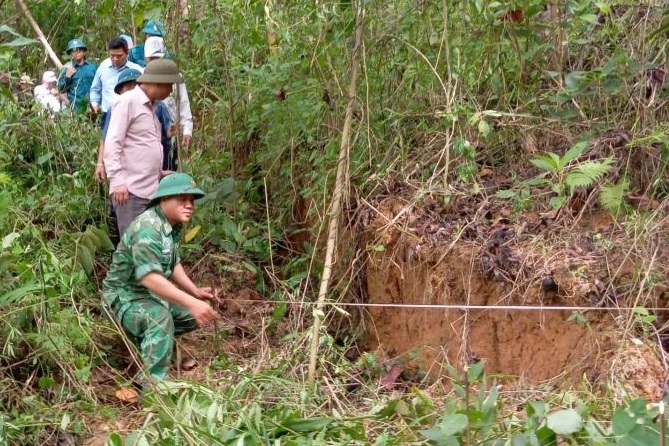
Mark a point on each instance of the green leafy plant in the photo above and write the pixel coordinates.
(565, 175)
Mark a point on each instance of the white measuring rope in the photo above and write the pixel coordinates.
(455, 306)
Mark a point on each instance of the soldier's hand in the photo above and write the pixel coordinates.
(205, 293)
(70, 71)
(202, 312)
(121, 195)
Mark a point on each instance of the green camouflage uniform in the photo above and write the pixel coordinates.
(150, 244)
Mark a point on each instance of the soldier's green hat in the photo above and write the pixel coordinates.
(176, 184)
(74, 44)
(126, 76)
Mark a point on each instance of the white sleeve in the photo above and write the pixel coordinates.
(186, 117)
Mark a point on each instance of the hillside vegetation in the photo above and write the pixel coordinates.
(499, 153)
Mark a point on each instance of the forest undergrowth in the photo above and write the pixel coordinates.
(497, 131)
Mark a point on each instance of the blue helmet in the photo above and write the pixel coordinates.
(74, 44)
(126, 76)
(154, 28)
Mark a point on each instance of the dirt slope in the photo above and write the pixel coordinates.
(480, 255)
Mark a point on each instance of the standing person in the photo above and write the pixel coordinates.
(128, 40)
(133, 155)
(153, 28)
(126, 82)
(147, 288)
(46, 94)
(76, 77)
(104, 82)
(154, 49)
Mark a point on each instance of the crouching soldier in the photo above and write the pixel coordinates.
(147, 288)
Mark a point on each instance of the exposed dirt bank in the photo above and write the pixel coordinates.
(473, 253)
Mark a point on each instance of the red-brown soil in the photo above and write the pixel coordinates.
(481, 257)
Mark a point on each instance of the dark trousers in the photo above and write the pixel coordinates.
(126, 213)
(101, 120)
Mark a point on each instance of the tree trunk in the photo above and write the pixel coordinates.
(184, 28)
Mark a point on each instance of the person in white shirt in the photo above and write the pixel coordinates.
(46, 94)
(154, 49)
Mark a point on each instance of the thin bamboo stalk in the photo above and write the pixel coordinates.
(340, 185)
(40, 34)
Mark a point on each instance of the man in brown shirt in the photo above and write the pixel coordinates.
(133, 154)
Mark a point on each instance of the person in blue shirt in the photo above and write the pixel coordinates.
(152, 28)
(102, 95)
(76, 77)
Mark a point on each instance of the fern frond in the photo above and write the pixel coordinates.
(611, 196)
(587, 173)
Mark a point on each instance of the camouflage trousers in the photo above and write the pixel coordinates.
(152, 327)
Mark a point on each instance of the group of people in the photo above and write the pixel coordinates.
(134, 93)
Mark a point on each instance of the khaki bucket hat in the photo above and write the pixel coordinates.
(161, 72)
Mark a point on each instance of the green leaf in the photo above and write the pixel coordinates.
(306, 424)
(536, 181)
(574, 152)
(623, 422)
(564, 422)
(474, 371)
(17, 294)
(536, 409)
(546, 163)
(573, 80)
(114, 440)
(10, 30)
(546, 436)
(590, 18)
(557, 202)
(20, 41)
(85, 258)
(453, 424)
(102, 240)
(89, 240)
(611, 197)
(505, 194)
(614, 63)
(587, 173)
(44, 158)
(612, 85)
(438, 437)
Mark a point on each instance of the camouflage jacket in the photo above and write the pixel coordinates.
(150, 244)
